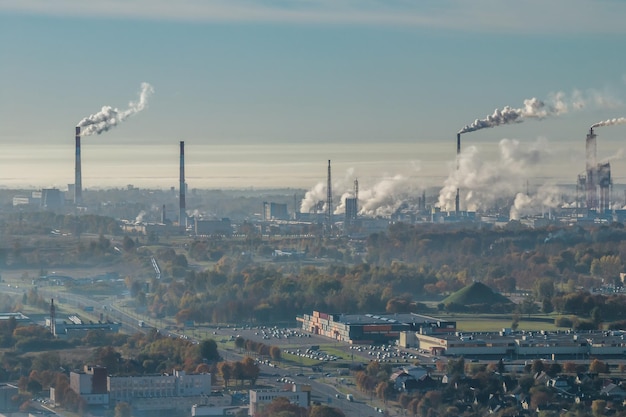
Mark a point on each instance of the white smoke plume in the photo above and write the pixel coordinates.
(533, 108)
(483, 182)
(313, 197)
(382, 198)
(547, 197)
(386, 196)
(109, 117)
(140, 217)
(610, 122)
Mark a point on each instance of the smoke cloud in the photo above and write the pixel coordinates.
(382, 198)
(557, 104)
(109, 117)
(484, 182)
(386, 196)
(313, 197)
(610, 122)
(547, 197)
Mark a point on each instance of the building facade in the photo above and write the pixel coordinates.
(91, 384)
(155, 392)
(371, 328)
(299, 395)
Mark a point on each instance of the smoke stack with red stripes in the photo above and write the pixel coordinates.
(182, 218)
(78, 180)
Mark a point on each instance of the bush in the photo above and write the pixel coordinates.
(564, 322)
(585, 325)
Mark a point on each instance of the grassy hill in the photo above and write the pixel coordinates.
(476, 293)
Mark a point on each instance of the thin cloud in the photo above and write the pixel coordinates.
(489, 16)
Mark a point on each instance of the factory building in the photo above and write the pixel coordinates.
(299, 395)
(77, 328)
(371, 328)
(91, 384)
(213, 227)
(505, 344)
(352, 205)
(52, 199)
(275, 211)
(176, 391)
(146, 393)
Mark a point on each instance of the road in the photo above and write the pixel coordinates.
(326, 390)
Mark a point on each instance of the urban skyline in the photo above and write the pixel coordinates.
(263, 93)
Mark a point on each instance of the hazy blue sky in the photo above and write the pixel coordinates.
(337, 73)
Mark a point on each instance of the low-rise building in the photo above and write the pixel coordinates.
(371, 328)
(91, 384)
(299, 395)
(7, 393)
(558, 344)
(176, 391)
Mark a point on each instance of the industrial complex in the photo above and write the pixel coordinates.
(590, 199)
(440, 337)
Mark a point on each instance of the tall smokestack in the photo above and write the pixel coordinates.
(53, 318)
(78, 180)
(182, 218)
(458, 153)
(329, 203)
(591, 186)
(356, 195)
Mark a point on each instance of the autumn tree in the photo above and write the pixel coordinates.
(598, 407)
(226, 371)
(325, 411)
(250, 369)
(275, 353)
(281, 406)
(384, 390)
(599, 367)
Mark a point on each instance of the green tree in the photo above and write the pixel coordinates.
(128, 244)
(456, 367)
(240, 342)
(544, 288)
(596, 316)
(108, 357)
(208, 350)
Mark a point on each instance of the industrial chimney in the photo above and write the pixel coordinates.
(329, 203)
(78, 180)
(182, 217)
(458, 153)
(53, 318)
(591, 168)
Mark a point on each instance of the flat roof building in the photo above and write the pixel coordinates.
(299, 395)
(371, 328)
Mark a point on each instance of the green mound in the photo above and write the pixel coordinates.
(476, 293)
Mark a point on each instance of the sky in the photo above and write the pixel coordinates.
(265, 92)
